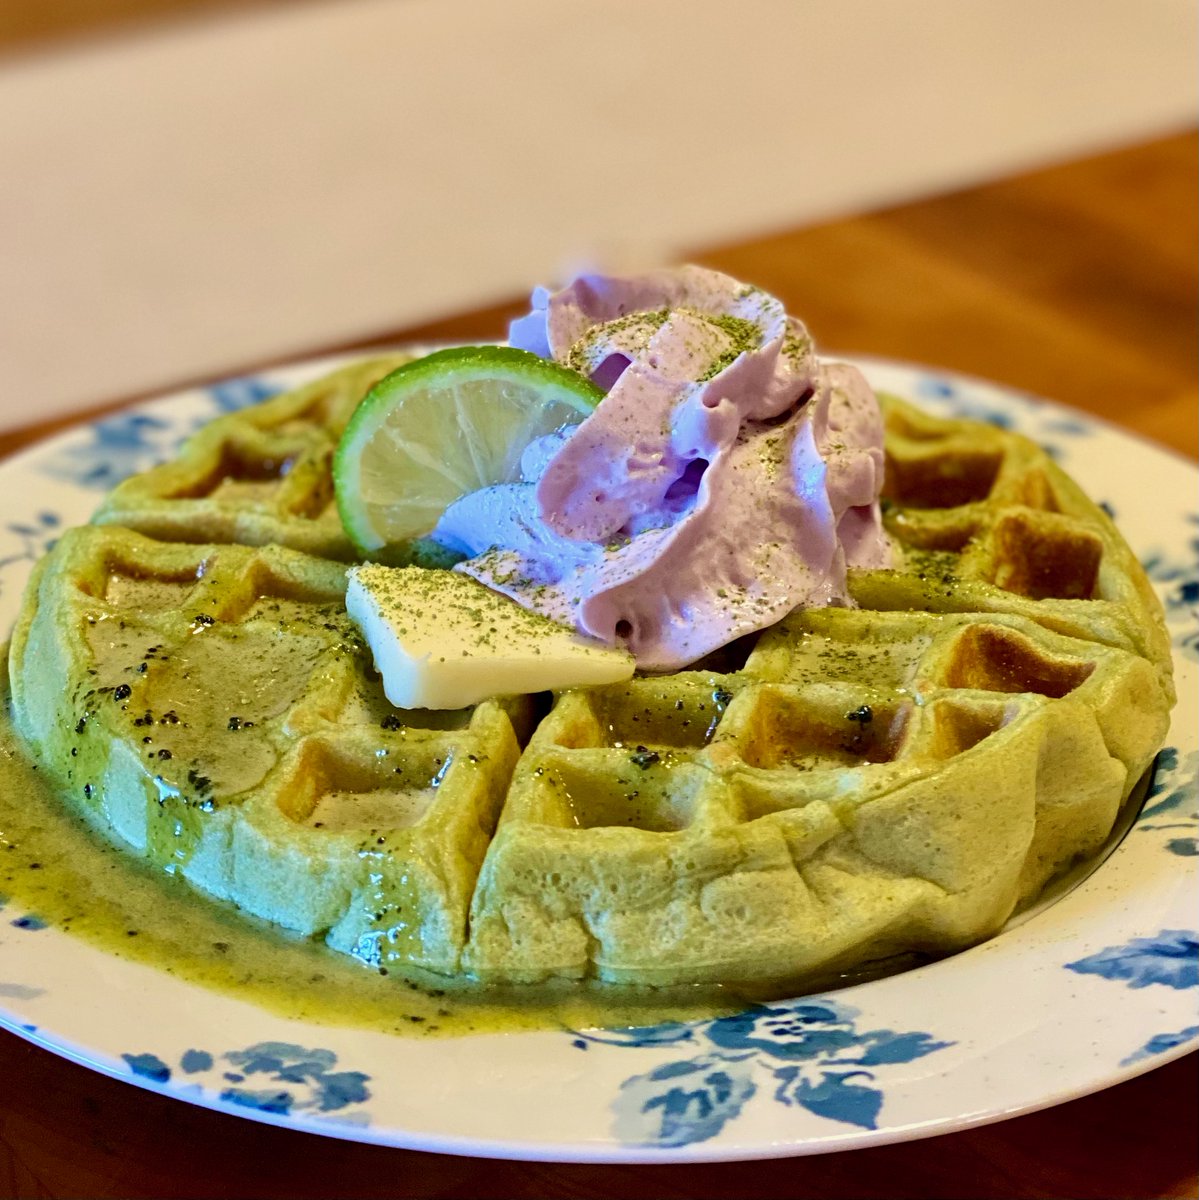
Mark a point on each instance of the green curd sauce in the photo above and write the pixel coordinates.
(55, 866)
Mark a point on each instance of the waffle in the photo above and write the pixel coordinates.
(214, 707)
(259, 477)
(856, 783)
(989, 523)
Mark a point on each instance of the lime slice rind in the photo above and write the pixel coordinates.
(440, 427)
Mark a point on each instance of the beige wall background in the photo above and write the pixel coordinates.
(182, 197)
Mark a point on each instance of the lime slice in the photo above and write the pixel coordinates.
(440, 427)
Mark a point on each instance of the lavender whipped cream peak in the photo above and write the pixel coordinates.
(728, 476)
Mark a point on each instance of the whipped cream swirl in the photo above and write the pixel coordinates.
(728, 476)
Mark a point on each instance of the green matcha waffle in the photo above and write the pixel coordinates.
(259, 476)
(856, 784)
(869, 784)
(214, 708)
(988, 522)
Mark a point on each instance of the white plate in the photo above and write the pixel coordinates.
(1087, 992)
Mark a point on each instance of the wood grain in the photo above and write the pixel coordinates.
(1077, 283)
(32, 24)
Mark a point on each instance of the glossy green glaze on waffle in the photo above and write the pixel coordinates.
(214, 707)
(859, 783)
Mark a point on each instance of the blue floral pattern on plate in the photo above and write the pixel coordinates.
(1172, 802)
(37, 535)
(1046, 424)
(232, 395)
(807, 1074)
(116, 447)
(121, 445)
(1177, 578)
(1170, 958)
(811, 1052)
(299, 1080)
(1161, 1043)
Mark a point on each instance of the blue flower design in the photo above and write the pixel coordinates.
(1172, 802)
(37, 535)
(798, 1032)
(1045, 423)
(811, 1050)
(232, 395)
(296, 1079)
(1180, 585)
(952, 398)
(836, 1097)
(119, 446)
(1171, 958)
(937, 387)
(124, 444)
(195, 1060)
(682, 1102)
(148, 1066)
(1070, 426)
(1160, 1043)
(228, 396)
(29, 921)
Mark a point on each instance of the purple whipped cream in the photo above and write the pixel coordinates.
(728, 476)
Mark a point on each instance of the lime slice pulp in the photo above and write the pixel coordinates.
(440, 427)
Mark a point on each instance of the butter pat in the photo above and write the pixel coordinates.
(442, 640)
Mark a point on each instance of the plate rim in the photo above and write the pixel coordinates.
(614, 1151)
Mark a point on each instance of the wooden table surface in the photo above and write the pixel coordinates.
(1078, 283)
